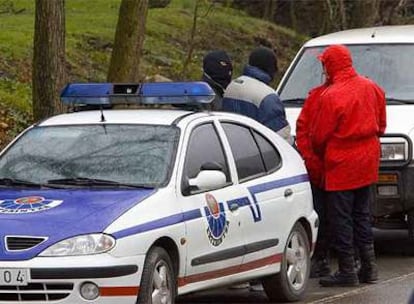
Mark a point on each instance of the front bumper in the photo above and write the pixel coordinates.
(394, 193)
(59, 279)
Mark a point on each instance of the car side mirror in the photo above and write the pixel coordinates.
(208, 180)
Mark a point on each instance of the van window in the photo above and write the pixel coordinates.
(389, 65)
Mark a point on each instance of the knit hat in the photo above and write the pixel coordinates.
(217, 65)
(264, 59)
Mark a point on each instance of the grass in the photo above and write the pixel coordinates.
(90, 28)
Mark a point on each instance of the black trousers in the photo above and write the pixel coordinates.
(350, 219)
(319, 203)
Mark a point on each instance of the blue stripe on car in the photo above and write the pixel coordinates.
(254, 190)
(196, 213)
(159, 223)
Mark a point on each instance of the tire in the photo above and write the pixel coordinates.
(158, 281)
(410, 224)
(295, 264)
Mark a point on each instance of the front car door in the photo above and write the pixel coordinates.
(214, 237)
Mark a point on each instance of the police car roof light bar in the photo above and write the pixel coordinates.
(190, 93)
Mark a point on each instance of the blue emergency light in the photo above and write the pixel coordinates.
(187, 93)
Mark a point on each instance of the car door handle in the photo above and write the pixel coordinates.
(288, 192)
(233, 207)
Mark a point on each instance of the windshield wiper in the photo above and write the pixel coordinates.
(391, 100)
(294, 101)
(85, 181)
(7, 181)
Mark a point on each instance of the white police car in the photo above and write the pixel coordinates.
(142, 205)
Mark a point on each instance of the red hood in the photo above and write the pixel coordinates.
(338, 63)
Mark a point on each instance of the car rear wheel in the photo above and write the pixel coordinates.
(158, 282)
(291, 282)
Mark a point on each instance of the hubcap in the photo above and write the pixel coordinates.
(297, 261)
(161, 293)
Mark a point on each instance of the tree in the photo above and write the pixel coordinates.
(191, 42)
(129, 40)
(48, 75)
(269, 9)
(363, 13)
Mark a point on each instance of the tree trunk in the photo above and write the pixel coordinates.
(269, 10)
(48, 74)
(342, 14)
(363, 13)
(129, 40)
(191, 41)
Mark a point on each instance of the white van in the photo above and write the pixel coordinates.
(386, 55)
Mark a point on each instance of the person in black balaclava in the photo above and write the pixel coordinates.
(217, 72)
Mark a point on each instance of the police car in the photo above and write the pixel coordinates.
(108, 205)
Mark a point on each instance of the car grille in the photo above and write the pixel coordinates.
(16, 243)
(35, 292)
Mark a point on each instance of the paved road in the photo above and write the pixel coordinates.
(396, 266)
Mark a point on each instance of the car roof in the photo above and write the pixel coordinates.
(371, 35)
(135, 116)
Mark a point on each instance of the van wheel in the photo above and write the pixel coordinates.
(158, 281)
(290, 283)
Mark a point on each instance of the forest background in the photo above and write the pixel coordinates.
(174, 36)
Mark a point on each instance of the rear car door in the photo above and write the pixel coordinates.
(269, 194)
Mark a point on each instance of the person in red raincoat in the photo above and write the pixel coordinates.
(345, 135)
(314, 165)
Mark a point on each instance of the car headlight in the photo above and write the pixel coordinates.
(81, 245)
(393, 151)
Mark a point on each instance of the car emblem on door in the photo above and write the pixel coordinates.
(218, 225)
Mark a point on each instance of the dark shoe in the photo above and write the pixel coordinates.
(340, 279)
(369, 270)
(345, 276)
(319, 268)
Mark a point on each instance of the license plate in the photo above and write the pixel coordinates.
(14, 276)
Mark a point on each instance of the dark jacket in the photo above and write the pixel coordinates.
(250, 95)
(216, 104)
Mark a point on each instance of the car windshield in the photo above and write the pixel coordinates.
(138, 155)
(390, 65)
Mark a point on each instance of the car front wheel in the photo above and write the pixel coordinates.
(158, 282)
(291, 282)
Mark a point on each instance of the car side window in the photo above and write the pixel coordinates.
(246, 153)
(204, 147)
(271, 156)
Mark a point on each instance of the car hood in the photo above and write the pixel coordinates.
(399, 119)
(59, 214)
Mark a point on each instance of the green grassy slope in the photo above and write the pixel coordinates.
(90, 29)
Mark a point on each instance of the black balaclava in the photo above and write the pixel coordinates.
(218, 67)
(264, 59)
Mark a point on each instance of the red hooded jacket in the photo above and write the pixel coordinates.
(349, 119)
(313, 162)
